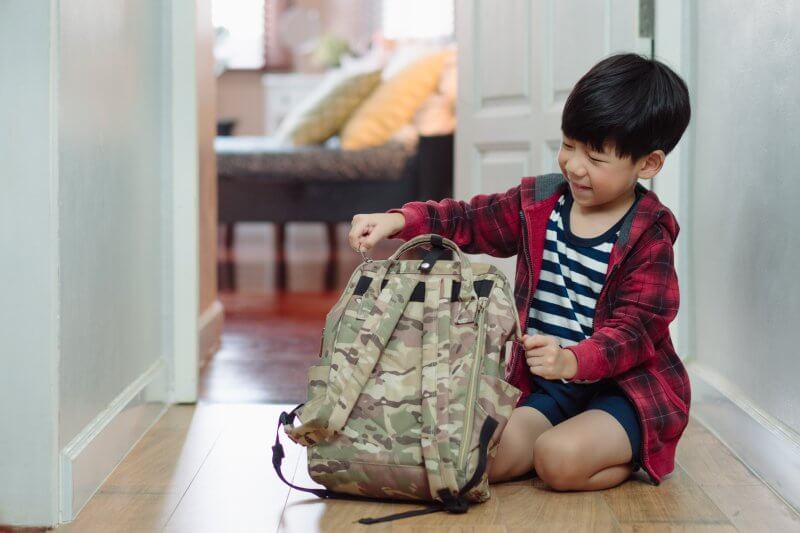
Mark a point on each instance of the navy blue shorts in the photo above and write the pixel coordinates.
(559, 401)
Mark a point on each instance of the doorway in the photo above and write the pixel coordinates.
(275, 282)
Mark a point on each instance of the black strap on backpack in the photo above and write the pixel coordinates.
(451, 503)
(278, 455)
(434, 254)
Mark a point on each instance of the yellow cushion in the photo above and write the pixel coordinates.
(393, 103)
(326, 109)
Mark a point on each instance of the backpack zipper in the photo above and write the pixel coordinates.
(473, 385)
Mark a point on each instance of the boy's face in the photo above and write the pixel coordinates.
(601, 178)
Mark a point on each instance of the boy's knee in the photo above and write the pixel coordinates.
(513, 455)
(556, 462)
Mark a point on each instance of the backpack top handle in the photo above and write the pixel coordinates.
(437, 241)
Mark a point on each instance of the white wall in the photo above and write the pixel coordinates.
(112, 98)
(111, 108)
(743, 196)
(745, 191)
(98, 211)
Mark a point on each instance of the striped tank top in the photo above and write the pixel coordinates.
(572, 276)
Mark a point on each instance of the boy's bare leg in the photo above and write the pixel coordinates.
(589, 451)
(515, 449)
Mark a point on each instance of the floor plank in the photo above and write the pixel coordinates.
(678, 499)
(649, 527)
(122, 513)
(754, 508)
(531, 506)
(161, 463)
(709, 464)
(238, 478)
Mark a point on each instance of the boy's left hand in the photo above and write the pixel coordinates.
(547, 358)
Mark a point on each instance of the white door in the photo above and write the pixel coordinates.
(517, 62)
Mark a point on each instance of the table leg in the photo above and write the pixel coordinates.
(226, 263)
(280, 255)
(333, 246)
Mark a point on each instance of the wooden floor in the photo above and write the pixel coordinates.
(208, 467)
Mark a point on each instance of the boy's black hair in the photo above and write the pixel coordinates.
(636, 103)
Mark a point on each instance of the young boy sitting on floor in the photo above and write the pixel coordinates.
(604, 392)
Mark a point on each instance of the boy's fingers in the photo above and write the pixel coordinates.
(365, 243)
(369, 241)
(535, 341)
(357, 233)
(534, 354)
(353, 235)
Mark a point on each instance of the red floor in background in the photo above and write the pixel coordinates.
(271, 338)
(268, 343)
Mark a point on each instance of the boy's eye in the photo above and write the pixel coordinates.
(567, 145)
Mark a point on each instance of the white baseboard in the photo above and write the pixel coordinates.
(95, 452)
(210, 334)
(769, 448)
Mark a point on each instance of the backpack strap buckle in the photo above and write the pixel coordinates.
(453, 503)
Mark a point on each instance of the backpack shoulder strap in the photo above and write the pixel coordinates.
(326, 415)
(436, 427)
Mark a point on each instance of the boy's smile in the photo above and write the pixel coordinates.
(601, 181)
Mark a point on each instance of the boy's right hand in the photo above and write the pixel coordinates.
(368, 229)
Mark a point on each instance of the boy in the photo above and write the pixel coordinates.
(603, 391)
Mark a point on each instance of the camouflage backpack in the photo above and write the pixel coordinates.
(409, 395)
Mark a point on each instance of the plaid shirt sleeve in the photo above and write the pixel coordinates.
(638, 319)
(488, 223)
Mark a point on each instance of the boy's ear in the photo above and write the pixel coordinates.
(651, 164)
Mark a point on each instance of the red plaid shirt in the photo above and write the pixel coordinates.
(630, 342)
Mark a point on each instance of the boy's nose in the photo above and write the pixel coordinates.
(575, 170)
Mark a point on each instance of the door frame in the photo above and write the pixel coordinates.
(181, 203)
(675, 42)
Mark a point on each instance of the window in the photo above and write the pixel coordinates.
(242, 43)
(248, 34)
(417, 19)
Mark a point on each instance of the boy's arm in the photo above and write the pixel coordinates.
(488, 223)
(647, 301)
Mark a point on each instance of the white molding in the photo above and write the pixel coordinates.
(769, 448)
(210, 335)
(98, 448)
